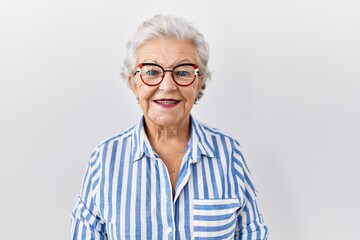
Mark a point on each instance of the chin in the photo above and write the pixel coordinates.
(166, 121)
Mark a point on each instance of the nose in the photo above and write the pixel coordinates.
(168, 83)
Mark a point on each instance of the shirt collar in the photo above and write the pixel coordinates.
(200, 140)
(140, 144)
(198, 145)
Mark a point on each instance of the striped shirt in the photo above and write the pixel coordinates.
(127, 193)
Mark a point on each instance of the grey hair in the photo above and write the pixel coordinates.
(167, 27)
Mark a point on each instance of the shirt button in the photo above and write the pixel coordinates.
(169, 229)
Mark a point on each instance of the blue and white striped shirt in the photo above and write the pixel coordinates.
(127, 193)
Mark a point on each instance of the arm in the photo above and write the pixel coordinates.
(85, 220)
(250, 224)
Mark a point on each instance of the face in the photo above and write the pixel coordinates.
(167, 104)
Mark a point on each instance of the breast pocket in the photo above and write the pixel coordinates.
(215, 218)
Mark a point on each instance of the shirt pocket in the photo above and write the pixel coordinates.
(215, 218)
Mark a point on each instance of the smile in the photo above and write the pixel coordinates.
(167, 102)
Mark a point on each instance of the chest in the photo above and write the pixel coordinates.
(137, 201)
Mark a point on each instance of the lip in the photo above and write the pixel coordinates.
(167, 102)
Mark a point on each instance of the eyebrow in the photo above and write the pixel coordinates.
(174, 65)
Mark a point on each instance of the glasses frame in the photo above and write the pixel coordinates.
(140, 65)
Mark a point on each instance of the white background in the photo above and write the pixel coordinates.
(286, 84)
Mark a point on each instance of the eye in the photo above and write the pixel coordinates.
(182, 73)
(151, 72)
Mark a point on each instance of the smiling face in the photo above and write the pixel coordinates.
(166, 105)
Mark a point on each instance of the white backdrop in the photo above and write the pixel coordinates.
(286, 84)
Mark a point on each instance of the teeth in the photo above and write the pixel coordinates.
(167, 102)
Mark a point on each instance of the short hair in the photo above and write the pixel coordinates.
(167, 27)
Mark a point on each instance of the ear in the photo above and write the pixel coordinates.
(201, 82)
(132, 84)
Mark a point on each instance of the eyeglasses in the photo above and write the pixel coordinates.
(152, 74)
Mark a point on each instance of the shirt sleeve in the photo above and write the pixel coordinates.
(250, 223)
(86, 222)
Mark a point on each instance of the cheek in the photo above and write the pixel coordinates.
(145, 92)
(191, 95)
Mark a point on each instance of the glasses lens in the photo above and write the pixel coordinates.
(184, 74)
(151, 74)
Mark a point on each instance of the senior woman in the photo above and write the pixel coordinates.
(169, 176)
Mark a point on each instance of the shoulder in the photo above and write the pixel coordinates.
(119, 137)
(215, 142)
(115, 140)
(216, 133)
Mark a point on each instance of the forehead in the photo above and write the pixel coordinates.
(167, 52)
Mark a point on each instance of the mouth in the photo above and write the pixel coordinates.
(167, 103)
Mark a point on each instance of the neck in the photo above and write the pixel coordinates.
(159, 133)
